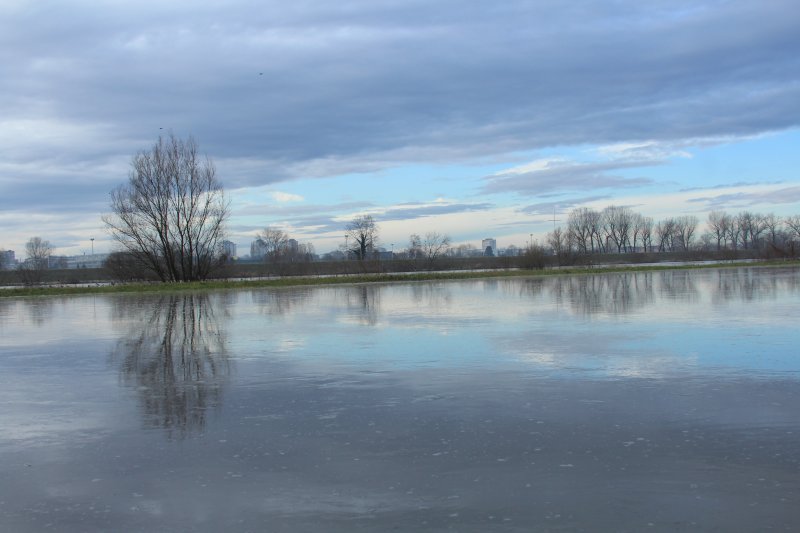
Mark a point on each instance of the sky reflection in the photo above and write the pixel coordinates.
(606, 401)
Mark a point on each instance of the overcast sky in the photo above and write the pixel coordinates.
(467, 118)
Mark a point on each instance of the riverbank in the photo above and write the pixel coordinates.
(300, 281)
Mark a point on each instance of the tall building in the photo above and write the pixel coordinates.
(7, 260)
(229, 248)
(258, 249)
(489, 246)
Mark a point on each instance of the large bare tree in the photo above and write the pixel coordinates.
(170, 215)
(432, 246)
(364, 233)
(274, 243)
(38, 251)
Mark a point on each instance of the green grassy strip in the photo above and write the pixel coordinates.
(362, 278)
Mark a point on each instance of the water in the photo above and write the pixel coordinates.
(627, 402)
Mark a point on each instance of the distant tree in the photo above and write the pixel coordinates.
(561, 243)
(665, 233)
(645, 230)
(684, 229)
(433, 246)
(718, 226)
(274, 242)
(772, 227)
(171, 213)
(585, 229)
(534, 257)
(414, 246)
(792, 224)
(363, 231)
(38, 252)
(617, 222)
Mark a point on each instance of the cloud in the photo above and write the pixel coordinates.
(561, 206)
(550, 175)
(351, 83)
(414, 211)
(743, 199)
(285, 197)
(320, 89)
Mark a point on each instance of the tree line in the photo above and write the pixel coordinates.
(617, 229)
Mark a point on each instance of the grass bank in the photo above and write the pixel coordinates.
(361, 278)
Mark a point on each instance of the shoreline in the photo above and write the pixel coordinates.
(355, 279)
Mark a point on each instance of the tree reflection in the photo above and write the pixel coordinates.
(175, 357)
(606, 293)
(366, 300)
(431, 295)
(679, 285)
(281, 302)
(748, 284)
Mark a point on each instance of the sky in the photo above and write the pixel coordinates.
(470, 119)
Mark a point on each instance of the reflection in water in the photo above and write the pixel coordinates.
(679, 285)
(281, 302)
(366, 301)
(747, 285)
(41, 309)
(619, 294)
(175, 356)
(431, 295)
(605, 293)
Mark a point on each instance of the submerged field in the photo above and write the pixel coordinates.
(624, 401)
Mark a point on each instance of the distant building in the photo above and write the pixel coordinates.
(86, 261)
(489, 247)
(8, 260)
(57, 261)
(258, 249)
(229, 249)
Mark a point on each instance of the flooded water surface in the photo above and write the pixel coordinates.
(652, 401)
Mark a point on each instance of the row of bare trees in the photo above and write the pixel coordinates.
(618, 229)
(749, 230)
(276, 246)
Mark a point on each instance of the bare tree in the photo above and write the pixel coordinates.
(433, 246)
(733, 231)
(170, 215)
(684, 229)
(274, 243)
(665, 233)
(772, 227)
(617, 222)
(644, 226)
(751, 226)
(793, 226)
(718, 222)
(584, 227)
(38, 252)
(363, 231)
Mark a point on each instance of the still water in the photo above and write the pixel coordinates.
(613, 402)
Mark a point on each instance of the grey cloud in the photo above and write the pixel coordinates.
(728, 185)
(561, 206)
(369, 77)
(410, 211)
(559, 176)
(787, 195)
(319, 89)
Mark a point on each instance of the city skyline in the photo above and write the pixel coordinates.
(469, 120)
